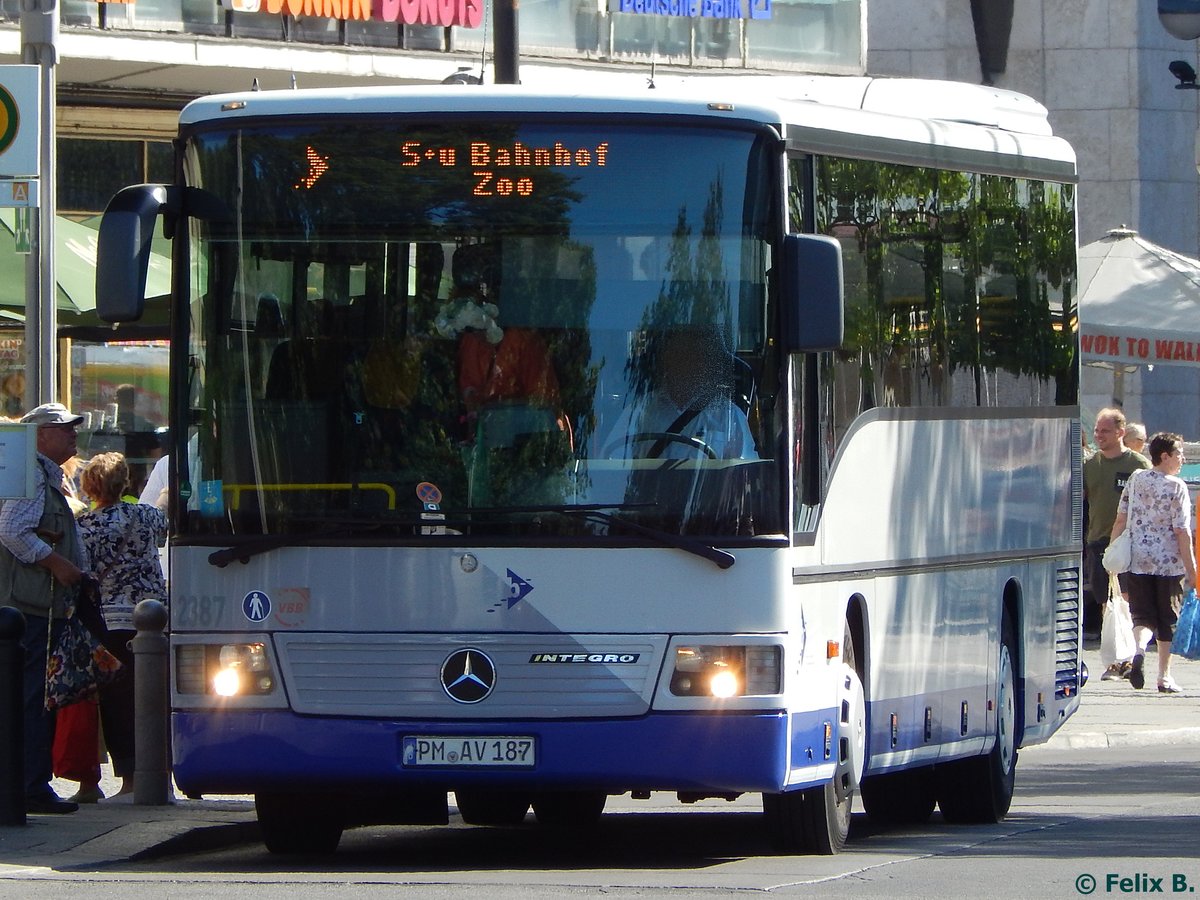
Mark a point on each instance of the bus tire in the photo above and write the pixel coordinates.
(900, 798)
(980, 790)
(817, 820)
(571, 810)
(809, 821)
(481, 807)
(295, 824)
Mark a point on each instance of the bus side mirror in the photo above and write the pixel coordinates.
(123, 250)
(812, 294)
(126, 231)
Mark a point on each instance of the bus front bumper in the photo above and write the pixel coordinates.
(240, 752)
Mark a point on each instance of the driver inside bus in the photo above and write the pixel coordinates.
(689, 411)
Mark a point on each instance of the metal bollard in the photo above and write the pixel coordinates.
(151, 685)
(12, 717)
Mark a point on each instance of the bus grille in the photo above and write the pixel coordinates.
(1066, 632)
(536, 676)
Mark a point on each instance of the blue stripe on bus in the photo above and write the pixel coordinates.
(245, 751)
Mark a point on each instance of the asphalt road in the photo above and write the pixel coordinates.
(1082, 820)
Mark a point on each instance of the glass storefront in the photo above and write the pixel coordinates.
(795, 35)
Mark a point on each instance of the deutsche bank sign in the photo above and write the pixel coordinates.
(704, 9)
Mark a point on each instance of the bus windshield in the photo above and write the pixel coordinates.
(423, 327)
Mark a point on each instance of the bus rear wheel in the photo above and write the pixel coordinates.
(295, 824)
(980, 790)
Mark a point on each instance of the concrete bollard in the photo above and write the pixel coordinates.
(12, 717)
(151, 707)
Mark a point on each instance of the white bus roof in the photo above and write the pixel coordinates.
(912, 121)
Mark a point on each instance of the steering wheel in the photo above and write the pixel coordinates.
(669, 437)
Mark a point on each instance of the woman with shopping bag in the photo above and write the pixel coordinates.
(1154, 507)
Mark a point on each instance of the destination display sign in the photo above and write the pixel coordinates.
(496, 169)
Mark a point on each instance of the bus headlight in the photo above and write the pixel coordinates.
(726, 671)
(227, 682)
(226, 670)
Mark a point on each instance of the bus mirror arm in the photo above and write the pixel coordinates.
(201, 204)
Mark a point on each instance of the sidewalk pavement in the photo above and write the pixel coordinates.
(1111, 714)
(115, 830)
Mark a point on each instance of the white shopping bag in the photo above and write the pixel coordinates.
(1116, 634)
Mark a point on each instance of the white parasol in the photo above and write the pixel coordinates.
(1139, 303)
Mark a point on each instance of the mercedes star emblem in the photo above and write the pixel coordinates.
(468, 675)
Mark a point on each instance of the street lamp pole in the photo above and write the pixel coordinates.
(39, 46)
(506, 54)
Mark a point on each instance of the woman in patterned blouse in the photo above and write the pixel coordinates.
(122, 540)
(1155, 506)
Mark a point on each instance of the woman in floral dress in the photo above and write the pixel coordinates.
(122, 540)
(1155, 507)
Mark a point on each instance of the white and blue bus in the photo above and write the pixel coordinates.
(427, 537)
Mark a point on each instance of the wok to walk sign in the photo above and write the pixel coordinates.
(1134, 350)
(1139, 303)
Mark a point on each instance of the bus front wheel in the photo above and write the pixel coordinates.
(817, 819)
(807, 821)
(295, 824)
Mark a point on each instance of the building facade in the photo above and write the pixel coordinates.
(1101, 68)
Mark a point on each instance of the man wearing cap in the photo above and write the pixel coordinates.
(42, 560)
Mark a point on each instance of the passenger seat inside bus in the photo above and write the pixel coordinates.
(308, 365)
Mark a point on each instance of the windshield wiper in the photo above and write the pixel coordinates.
(244, 552)
(721, 558)
(596, 512)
